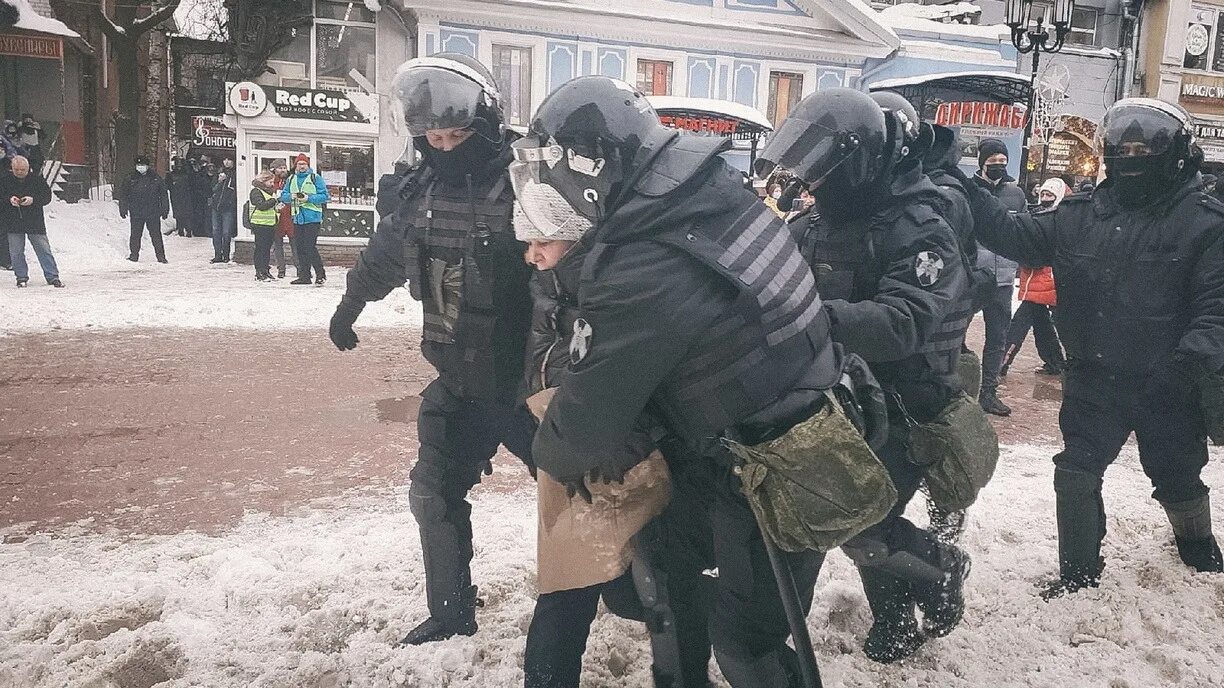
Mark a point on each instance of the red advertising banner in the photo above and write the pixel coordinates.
(981, 114)
(31, 46)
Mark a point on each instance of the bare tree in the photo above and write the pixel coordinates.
(125, 31)
(259, 28)
(205, 20)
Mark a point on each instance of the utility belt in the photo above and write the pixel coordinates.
(958, 448)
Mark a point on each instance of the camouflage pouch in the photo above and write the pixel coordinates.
(969, 371)
(816, 486)
(959, 450)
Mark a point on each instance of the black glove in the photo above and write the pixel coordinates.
(341, 328)
(577, 487)
(867, 406)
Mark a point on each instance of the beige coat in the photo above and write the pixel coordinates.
(578, 544)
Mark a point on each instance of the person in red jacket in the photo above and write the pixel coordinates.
(1037, 299)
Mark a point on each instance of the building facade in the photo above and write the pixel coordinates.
(322, 95)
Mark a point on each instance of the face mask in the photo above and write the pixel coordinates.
(470, 157)
(996, 171)
(142, 168)
(1047, 204)
(1135, 190)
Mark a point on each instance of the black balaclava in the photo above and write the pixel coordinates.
(1153, 175)
(470, 157)
(839, 201)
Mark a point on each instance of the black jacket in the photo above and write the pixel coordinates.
(179, 183)
(27, 220)
(224, 192)
(1013, 199)
(671, 334)
(1137, 289)
(893, 284)
(144, 196)
(554, 298)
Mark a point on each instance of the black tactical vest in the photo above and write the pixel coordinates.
(467, 269)
(776, 338)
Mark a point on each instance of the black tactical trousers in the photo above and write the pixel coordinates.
(748, 627)
(1038, 318)
(458, 436)
(1099, 413)
(138, 225)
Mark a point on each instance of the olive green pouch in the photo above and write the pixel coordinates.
(959, 450)
(816, 486)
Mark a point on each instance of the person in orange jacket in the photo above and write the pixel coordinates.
(1037, 299)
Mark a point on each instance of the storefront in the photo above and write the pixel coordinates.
(1203, 97)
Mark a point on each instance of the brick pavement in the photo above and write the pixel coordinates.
(158, 431)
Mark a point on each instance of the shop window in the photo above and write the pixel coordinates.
(785, 92)
(1200, 31)
(348, 171)
(290, 66)
(654, 77)
(342, 10)
(345, 56)
(512, 71)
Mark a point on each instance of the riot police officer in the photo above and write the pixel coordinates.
(1140, 270)
(696, 304)
(449, 235)
(894, 282)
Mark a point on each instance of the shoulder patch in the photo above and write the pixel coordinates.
(928, 266)
(580, 342)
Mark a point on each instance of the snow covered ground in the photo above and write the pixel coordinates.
(317, 598)
(105, 290)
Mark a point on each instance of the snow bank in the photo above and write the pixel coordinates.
(105, 290)
(319, 599)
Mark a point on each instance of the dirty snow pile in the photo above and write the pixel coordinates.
(105, 290)
(319, 598)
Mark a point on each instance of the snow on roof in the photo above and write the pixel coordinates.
(924, 78)
(923, 18)
(720, 107)
(31, 20)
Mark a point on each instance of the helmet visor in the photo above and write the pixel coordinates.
(544, 207)
(1134, 130)
(808, 150)
(431, 98)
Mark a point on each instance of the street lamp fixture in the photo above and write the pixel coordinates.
(1034, 37)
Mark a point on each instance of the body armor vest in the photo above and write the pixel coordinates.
(461, 253)
(776, 338)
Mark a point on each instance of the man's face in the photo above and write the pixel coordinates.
(545, 255)
(996, 159)
(1047, 197)
(447, 140)
(227, 164)
(280, 172)
(301, 166)
(20, 168)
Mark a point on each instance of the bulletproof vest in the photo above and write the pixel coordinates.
(776, 337)
(462, 233)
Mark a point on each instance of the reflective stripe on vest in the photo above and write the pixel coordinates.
(309, 188)
(264, 218)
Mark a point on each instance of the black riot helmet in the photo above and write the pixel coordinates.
(1145, 133)
(838, 133)
(447, 91)
(917, 136)
(581, 145)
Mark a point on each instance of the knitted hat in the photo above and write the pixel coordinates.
(142, 160)
(1057, 187)
(301, 157)
(989, 147)
(572, 225)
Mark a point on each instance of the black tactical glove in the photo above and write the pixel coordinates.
(341, 328)
(863, 400)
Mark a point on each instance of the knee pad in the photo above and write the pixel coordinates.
(426, 508)
(1072, 481)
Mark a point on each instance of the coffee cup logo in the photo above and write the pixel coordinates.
(247, 99)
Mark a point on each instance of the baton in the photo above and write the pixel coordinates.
(795, 617)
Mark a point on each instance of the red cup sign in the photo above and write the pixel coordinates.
(248, 99)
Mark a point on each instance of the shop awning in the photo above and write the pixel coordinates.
(987, 86)
(711, 116)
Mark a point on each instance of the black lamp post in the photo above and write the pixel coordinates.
(1036, 39)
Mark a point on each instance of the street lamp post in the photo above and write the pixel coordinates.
(1036, 39)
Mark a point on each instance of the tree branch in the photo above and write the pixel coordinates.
(112, 30)
(158, 16)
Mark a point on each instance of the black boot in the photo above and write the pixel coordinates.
(301, 280)
(989, 400)
(894, 635)
(1081, 528)
(1191, 521)
(943, 604)
(438, 628)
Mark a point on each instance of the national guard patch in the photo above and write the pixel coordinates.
(928, 266)
(580, 343)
